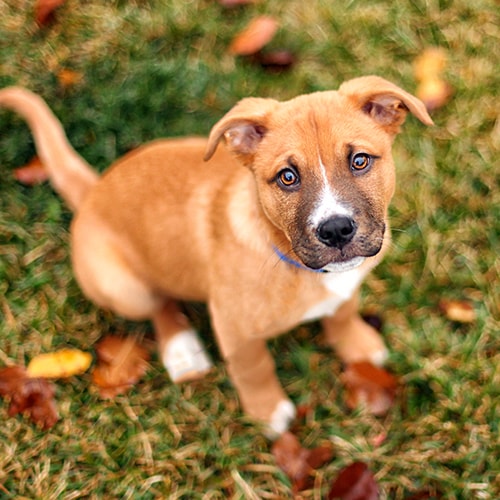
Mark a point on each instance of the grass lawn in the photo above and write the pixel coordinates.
(144, 69)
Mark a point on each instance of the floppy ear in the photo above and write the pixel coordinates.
(385, 102)
(243, 127)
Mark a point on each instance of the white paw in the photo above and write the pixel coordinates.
(378, 358)
(282, 416)
(185, 358)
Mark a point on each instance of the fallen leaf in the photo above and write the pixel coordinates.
(369, 386)
(67, 77)
(59, 364)
(354, 482)
(32, 173)
(432, 89)
(298, 463)
(430, 63)
(458, 310)
(258, 33)
(33, 396)
(44, 11)
(276, 61)
(434, 93)
(121, 364)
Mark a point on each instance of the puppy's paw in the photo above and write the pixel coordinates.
(185, 358)
(281, 418)
(362, 343)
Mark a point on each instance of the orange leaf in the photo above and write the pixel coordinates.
(370, 386)
(44, 10)
(354, 482)
(298, 463)
(33, 396)
(258, 33)
(122, 363)
(432, 90)
(68, 77)
(458, 310)
(32, 173)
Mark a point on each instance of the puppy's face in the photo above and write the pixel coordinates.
(323, 166)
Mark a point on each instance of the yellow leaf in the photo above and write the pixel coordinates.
(59, 364)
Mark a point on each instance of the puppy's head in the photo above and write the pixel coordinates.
(323, 165)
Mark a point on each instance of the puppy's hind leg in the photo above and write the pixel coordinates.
(181, 350)
(108, 279)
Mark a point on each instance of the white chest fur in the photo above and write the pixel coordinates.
(340, 288)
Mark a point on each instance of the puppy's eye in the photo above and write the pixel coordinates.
(288, 178)
(361, 162)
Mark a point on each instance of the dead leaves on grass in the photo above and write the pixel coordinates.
(122, 362)
(432, 89)
(32, 396)
(354, 482)
(45, 10)
(369, 386)
(32, 173)
(297, 462)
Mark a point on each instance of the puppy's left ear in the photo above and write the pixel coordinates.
(385, 102)
(243, 127)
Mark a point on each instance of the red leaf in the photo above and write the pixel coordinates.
(33, 396)
(370, 386)
(122, 363)
(258, 33)
(44, 11)
(32, 173)
(354, 482)
(298, 463)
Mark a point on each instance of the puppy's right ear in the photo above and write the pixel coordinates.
(243, 127)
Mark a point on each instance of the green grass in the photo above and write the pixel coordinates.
(152, 69)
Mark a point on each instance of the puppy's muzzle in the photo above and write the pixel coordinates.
(337, 231)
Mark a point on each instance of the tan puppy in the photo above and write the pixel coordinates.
(285, 240)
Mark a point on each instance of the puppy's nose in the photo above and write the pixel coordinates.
(337, 231)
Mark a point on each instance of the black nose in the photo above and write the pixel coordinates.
(337, 231)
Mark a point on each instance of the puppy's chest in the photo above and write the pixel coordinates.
(337, 289)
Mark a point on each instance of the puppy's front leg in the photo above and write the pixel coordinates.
(252, 371)
(351, 337)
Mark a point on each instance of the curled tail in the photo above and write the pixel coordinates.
(71, 176)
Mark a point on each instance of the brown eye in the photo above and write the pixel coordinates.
(360, 161)
(288, 178)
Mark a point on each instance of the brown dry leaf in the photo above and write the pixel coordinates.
(67, 77)
(276, 61)
(33, 396)
(298, 463)
(44, 11)
(59, 364)
(458, 310)
(32, 173)
(354, 482)
(258, 33)
(369, 386)
(121, 364)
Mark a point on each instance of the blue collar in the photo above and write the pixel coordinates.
(295, 263)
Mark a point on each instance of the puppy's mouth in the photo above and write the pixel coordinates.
(324, 259)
